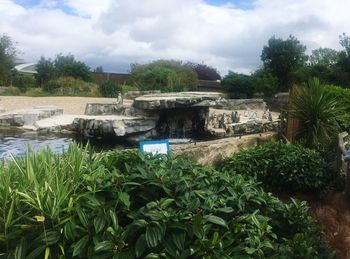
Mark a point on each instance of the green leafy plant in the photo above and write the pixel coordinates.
(109, 88)
(68, 85)
(281, 167)
(124, 204)
(318, 111)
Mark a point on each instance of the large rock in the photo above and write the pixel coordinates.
(210, 152)
(104, 109)
(113, 125)
(174, 100)
(28, 117)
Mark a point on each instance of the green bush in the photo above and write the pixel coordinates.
(128, 88)
(129, 205)
(318, 111)
(342, 95)
(67, 85)
(281, 167)
(264, 82)
(238, 85)
(109, 88)
(164, 75)
(24, 82)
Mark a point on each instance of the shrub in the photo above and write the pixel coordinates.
(164, 75)
(109, 88)
(318, 111)
(24, 82)
(264, 82)
(238, 85)
(69, 86)
(342, 95)
(281, 167)
(128, 88)
(129, 205)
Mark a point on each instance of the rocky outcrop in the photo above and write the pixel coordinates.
(174, 100)
(210, 152)
(104, 109)
(117, 125)
(28, 117)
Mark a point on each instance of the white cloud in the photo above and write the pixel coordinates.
(117, 33)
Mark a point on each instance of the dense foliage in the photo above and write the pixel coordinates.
(109, 88)
(67, 85)
(23, 82)
(238, 85)
(62, 66)
(164, 75)
(205, 72)
(129, 205)
(284, 58)
(8, 53)
(281, 167)
(319, 113)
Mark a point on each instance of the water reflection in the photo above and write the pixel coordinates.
(15, 142)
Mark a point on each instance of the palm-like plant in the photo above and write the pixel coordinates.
(319, 113)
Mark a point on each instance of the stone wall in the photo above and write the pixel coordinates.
(210, 152)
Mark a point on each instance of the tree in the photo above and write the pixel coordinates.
(322, 64)
(68, 66)
(264, 82)
(343, 65)
(205, 72)
(324, 57)
(61, 66)
(99, 69)
(164, 75)
(238, 85)
(45, 71)
(8, 53)
(283, 58)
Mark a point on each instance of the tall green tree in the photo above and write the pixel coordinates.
(343, 65)
(324, 57)
(46, 71)
(49, 69)
(8, 53)
(322, 64)
(283, 58)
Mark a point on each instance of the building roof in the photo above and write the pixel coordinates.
(27, 68)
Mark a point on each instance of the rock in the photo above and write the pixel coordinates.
(113, 125)
(173, 100)
(133, 94)
(210, 152)
(28, 117)
(104, 109)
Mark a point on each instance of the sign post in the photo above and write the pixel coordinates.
(155, 147)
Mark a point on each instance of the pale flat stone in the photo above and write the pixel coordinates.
(173, 100)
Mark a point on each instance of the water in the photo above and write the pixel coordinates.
(14, 143)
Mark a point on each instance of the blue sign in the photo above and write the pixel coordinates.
(155, 147)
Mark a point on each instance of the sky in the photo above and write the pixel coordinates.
(228, 35)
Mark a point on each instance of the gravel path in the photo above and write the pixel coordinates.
(70, 105)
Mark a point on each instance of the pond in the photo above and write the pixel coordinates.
(14, 142)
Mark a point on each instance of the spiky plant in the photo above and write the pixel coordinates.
(319, 113)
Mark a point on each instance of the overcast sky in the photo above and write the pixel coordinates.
(228, 35)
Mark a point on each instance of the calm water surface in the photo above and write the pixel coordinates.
(14, 143)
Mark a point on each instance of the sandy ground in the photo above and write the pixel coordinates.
(70, 105)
